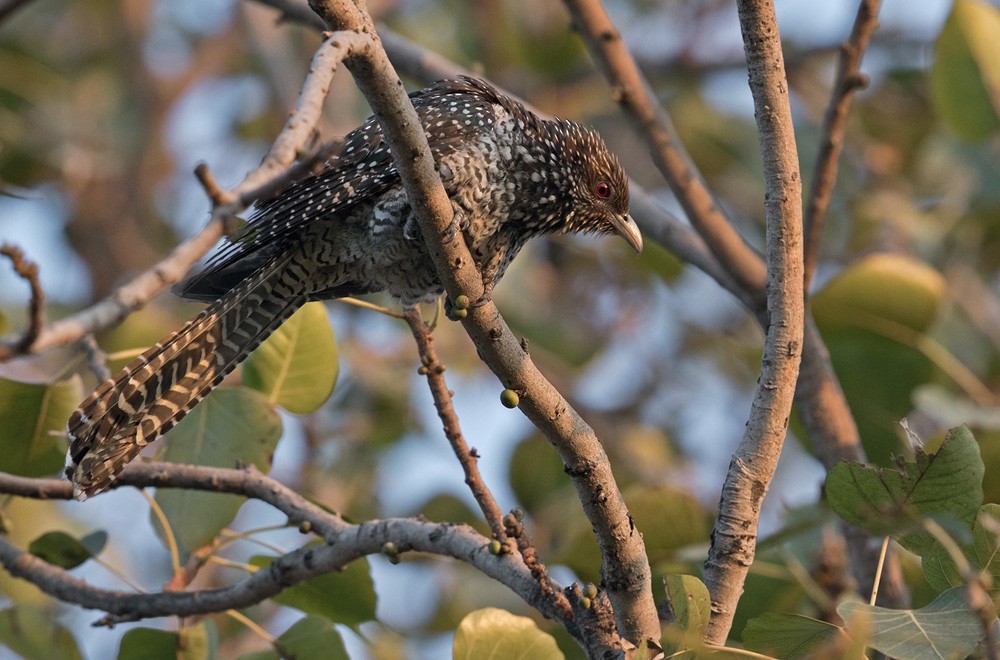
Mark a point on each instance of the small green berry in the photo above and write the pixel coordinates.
(590, 590)
(495, 547)
(461, 302)
(584, 603)
(458, 313)
(391, 552)
(509, 398)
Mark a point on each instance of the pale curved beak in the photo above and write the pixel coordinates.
(627, 229)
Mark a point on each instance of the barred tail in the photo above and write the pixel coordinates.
(156, 390)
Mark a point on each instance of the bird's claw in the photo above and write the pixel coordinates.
(483, 299)
(450, 232)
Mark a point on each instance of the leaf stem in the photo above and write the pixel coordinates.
(878, 571)
(175, 555)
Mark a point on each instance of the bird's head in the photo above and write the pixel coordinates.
(598, 185)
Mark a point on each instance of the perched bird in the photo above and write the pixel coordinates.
(349, 230)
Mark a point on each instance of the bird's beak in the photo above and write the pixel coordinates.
(627, 229)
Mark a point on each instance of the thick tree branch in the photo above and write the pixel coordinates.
(849, 80)
(755, 459)
(344, 543)
(625, 567)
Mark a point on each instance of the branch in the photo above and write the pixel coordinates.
(27, 271)
(731, 258)
(849, 80)
(269, 176)
(756, 457)
(625, 567)
(344, 543)
(634, 94)
(816, 374)
(433, 369)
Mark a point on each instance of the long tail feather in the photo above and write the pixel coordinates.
(154, 392)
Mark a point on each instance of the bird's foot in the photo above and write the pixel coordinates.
(451, 231)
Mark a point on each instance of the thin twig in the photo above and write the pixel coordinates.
(433, 370)
(514, 527)
(878, 570)
(849, 80)
(364, 304)
(97, 359)
(755, 459)
(27, 271)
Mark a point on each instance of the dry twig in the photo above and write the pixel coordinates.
(28, 271)
(345, 542)
(433, 370)
(849, 80)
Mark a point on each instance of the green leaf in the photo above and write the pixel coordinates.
(197, 642)
(669, 518)
(95, 542)
(965, 74)
(231, 427)
(881, 500)
(536, 472)
(983, 553)
(496, 633)
(297, 366)
(346, 596)
(32, 632)
(874, 316)
(986, 547)
(946, 628)
(790, 635)
(32, 435)
(689, 601)
(450, 508)
(311, 638)
(879, 291)
(61, 549)
(189, 643)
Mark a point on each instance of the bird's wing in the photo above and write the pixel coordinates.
(360, 170)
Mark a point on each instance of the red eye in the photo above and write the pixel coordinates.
(602, 190)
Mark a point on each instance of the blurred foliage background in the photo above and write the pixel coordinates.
(106, 106)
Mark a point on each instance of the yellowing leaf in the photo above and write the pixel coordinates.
(297, 366)
(230, 427)
(880, 293)
(496, 633)
(965, 75)
(32, 440)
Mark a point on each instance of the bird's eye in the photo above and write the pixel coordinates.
(602, 190)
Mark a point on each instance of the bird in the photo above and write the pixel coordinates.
(349, 229)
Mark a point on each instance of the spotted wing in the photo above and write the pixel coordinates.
(451, 111)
